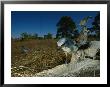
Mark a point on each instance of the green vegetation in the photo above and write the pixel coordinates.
(48, 36)
(65, 27)
(96, 25)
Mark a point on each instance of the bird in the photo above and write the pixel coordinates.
(72, 46)
(80, 44)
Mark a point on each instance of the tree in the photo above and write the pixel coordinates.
(35, 36)
(95, 29)
(40, 38)
(76, 34)
(48, 36)
(65, 27)
(24, 35)
(96, 25)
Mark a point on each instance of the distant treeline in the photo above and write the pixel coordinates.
(28, 36)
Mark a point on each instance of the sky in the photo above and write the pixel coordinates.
(43, 22)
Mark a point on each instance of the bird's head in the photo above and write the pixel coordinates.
(62, 45)
(67, 45)
(61, 42)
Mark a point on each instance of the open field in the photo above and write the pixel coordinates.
(42, 55)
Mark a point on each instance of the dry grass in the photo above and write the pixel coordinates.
(43, 55)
